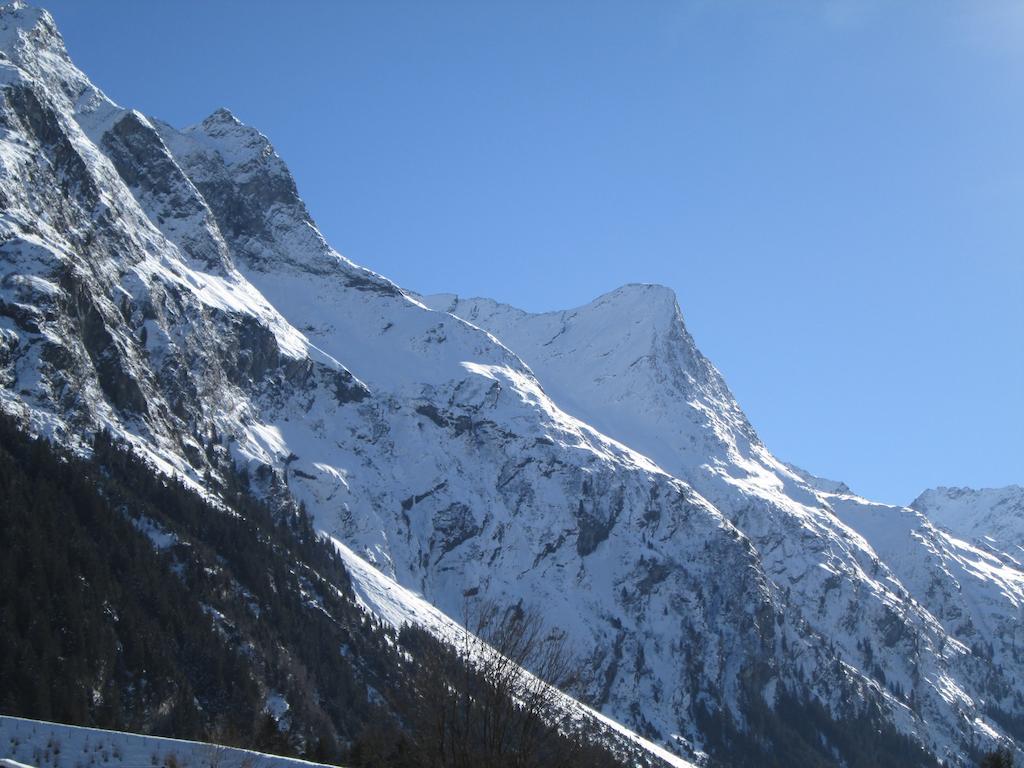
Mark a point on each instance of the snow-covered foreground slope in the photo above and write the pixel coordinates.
(399, 606)
(39, 744)
(170, 285)
(994, 516)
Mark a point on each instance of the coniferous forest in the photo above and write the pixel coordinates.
(129, 602)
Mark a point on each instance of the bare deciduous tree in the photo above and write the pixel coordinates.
(496, 700)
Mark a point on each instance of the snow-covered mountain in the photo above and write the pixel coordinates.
(626, 364)
(170, 285)
(992, 516)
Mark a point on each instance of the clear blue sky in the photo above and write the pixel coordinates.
(835, 190)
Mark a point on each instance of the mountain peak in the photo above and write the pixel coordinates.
(655, 291)
(222, 121)
(655, 303)
(954, 493)
(222, 116)
(24, 28)
(237, 143)
(992, 515)
(30, 40)
(19, 15)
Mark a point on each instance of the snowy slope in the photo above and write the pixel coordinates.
(992, 515)
(171, 286)
(40, 744)
(974, 591)
(399, 607)
(626, 364)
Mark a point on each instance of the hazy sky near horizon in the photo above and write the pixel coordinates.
(834, 189)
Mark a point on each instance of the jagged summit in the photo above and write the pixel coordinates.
(223, 122)
(254, 197)
(995, 514)
(236, 142)
(655, 292)
(626, 363)
(633, 320)
(963, 491)
(649, 300)
(222, 115)
(656, 297)
(29, 38)
(23, 26)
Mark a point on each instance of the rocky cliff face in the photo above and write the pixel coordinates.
(170, 285)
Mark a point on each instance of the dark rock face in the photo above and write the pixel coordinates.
(137, 153)
(41, 124)
(452, 526)
(254, 200)
(146, 167)
(595, 524)
(67, 191)
(240, 207)
(109, 358)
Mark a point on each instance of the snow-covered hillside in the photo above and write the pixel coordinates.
(170, 285)
(399, 607)
(994, 516)
(626, 364)
(39, 744)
